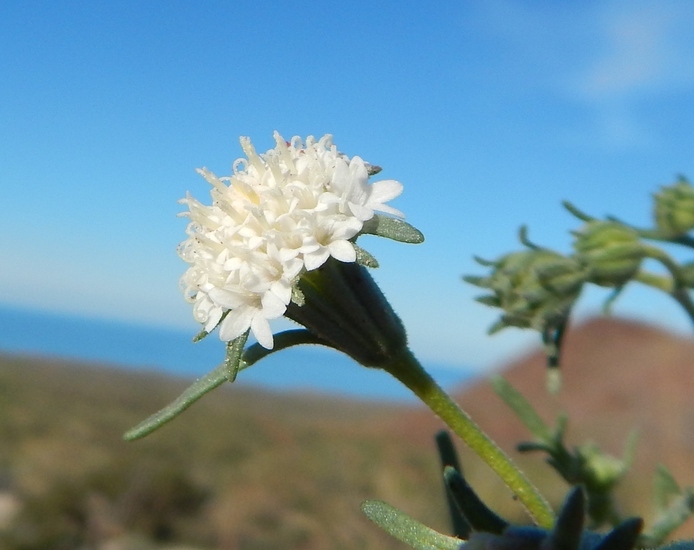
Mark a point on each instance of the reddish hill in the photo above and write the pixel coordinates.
(617, 375)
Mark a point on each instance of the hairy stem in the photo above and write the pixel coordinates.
(409, 371)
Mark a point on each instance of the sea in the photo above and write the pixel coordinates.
(130, 346)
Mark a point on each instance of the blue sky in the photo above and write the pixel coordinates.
(490, 113)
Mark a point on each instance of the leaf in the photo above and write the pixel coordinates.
(531, 447)
(365, 258)
(200, 335)
(476, 512)
(664, 488)
(576, 212)
(405, 529)
(679, 510)
(522, 408)
(194, 392)
(523, 238)
(488, 300)
(485, 263)
(216, 378)
(484, 282)
(449, 459)
(232, 362)
(392, 228)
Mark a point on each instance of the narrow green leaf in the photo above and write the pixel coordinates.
(200, 335)
(483, 282)
(679, 511)
(365, 258)
(531, 446)
(576, 212)
(405, 529)
(449, 459)
(476, 512)
(483, 262)
(194, 392)
(498, 326)
(522, 408)
(232, 362)
(488, 300)
(216, 378)
(392, 228)
(664, 488)
(523, 238)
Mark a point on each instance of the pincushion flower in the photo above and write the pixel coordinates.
(279, 215)
(280, 239)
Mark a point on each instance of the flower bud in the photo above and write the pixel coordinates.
(610, 252)
(535, 288)
(674, 209)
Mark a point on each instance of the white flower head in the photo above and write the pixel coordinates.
(277, 216)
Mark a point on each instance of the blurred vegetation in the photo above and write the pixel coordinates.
(242, 469)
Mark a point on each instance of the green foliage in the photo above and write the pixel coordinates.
(489, 532)
(598, 472)
(406, 529)
(392, 228)
(236, 360)
(537, 288)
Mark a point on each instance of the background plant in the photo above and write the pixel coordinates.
(537, 289)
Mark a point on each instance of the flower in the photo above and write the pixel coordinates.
(279, 215)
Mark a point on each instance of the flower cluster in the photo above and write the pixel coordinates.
(279, 215)
(535, 288)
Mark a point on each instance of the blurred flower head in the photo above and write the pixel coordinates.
(674, 208)
(611, 252)
(534, 288)
(280, 215)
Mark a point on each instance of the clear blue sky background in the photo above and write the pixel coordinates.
(489, 112)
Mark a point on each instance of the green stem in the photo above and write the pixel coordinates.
(678, 291)
(409, 371)
(659, 282)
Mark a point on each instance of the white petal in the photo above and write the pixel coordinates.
(226, 299)
(341, 181)
(262, 331)
(389, 210)
(292, 268)
(213, 319)
(236, 323)
(316, 259)
(273, 306)
(343, 251)
(385, 190)
(360, 212)
(277, 214)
